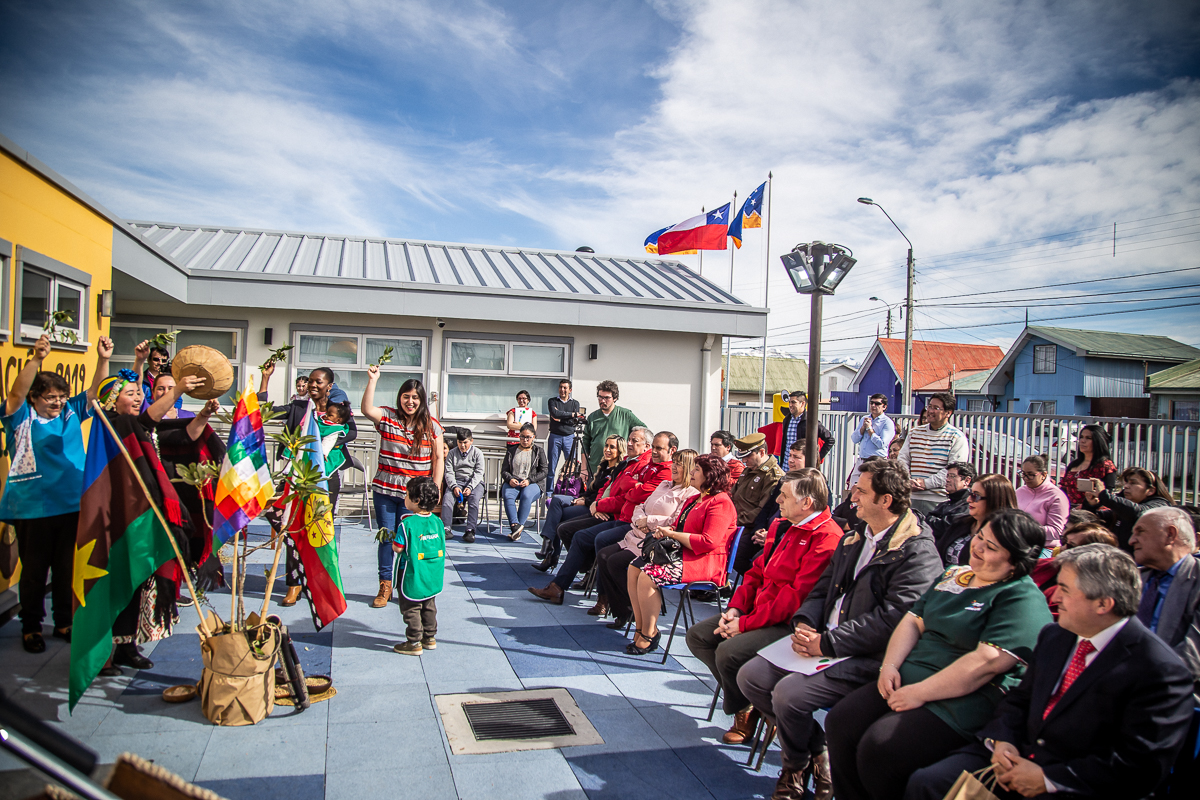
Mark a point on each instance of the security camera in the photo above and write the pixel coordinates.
(441, 323)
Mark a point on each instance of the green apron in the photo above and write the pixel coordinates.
(422, 564)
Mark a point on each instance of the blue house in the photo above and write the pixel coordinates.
(1082, 373)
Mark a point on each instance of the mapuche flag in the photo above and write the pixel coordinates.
(120, 541)
(244, 487)
(704, 232)
(311, 537)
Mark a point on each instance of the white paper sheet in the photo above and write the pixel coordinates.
(781, 654)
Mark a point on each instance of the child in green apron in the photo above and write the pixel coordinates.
(420, 547)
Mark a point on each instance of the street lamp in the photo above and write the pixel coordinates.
(816, 269)
(906, 406)
(889, 307)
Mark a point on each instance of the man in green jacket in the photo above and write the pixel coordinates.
(608, 420)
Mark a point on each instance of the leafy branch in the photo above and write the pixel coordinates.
(53, 320)
(385, 357)
(164, 339)
(279, 355)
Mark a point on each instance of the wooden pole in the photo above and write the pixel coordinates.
(281, 544)
(99, 412)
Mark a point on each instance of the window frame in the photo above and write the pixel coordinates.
(298, 367)
(6, 258)
(239, 328)
(59, 274)
(567, 345)
(1039, 350)
(1052, 411)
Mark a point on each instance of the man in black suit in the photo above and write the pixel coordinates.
(1103, 708)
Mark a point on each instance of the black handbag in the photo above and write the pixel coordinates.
(664, 551)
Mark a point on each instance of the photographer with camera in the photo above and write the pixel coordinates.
(566, 421)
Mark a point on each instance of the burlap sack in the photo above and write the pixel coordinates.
(237, 684)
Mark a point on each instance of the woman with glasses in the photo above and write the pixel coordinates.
(989, 494)
(524, 475)
(1092, 462)
(1141, 490)
(519, 416)
(1042, 500)
(45, 480)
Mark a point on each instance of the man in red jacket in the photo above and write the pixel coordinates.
(798, 547)
(624, 494)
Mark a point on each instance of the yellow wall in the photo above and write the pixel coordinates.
(37, 214)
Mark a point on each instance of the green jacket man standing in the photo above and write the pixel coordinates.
(608, 420)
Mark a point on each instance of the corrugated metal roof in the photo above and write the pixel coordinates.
(745, 374)
(934, 361)
(1119, 345)
(964, 381)
(452, 266)
(1182, 376)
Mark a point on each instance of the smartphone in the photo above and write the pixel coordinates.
(1084, 484)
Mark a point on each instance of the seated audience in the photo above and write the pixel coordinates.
(562, 507)
(1091, 462)
(721, 445)
(948, 664)
(524, 479)
(660, 510)
(627, 490)
(797, 549)
(1141, 491)
(770, 511)
(1102, 710)
(464, 483)
(1042, 500)
(1045, 574)
(1164, 545)
(702, 533)
(874, 577)
(751, 493)
(959, 477)
(989, 494)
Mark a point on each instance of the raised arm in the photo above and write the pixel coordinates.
(265, 380)
(104, 351)
(24, 379)
(164, 404)
(200, 421)
(140, 354)
(374, 413)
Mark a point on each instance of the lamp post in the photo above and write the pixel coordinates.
(816, 269)
(906, 406)
(889, 307)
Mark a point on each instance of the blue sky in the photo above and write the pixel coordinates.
(560, 124)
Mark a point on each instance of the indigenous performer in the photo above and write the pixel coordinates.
(41, 493)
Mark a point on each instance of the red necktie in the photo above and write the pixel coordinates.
(1073, 669)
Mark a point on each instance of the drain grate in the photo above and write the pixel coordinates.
(517, 719)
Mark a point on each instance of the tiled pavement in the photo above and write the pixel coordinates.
(381, 733)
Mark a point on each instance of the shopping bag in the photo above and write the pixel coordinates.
(976, 785)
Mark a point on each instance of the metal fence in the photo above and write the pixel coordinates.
(1000, 442)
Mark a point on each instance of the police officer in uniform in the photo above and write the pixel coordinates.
(751, 492)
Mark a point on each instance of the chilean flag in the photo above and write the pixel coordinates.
(703, 232)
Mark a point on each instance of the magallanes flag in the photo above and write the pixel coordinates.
(120, 541)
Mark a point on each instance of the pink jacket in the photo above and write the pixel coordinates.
(662, 504)
(1048, 505)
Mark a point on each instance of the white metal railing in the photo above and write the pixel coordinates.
(1000, 442)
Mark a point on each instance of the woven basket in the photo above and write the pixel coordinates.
(208, 364)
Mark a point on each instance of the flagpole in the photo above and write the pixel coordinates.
(701, 252)
(762, 392)
(99, 412)
(233, 582)
(727, 343)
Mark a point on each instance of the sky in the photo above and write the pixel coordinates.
(1005, 139)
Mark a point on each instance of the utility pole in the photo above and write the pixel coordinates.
(908, 332)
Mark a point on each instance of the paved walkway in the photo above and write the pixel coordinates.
(381, 733)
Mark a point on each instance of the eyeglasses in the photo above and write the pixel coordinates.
(54, 399)
(976, 497)
(604, 397)
(1030, 475)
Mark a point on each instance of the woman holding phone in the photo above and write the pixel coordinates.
(1091, 462)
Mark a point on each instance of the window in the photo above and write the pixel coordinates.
(832, 383)
(1046, 407)
(348, 355)
(5, 263)
(49, 286)
(1045, 359)
(227, 341)
(1186, 410)
(977, 404)
(483, 377)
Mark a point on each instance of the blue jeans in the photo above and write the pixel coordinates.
(527, 494)
(584, 547)
(556, 444)
(561, 509)
(388, 511)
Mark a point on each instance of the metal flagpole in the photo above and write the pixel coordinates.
(725, 393)
(762, 392)
(701, 252)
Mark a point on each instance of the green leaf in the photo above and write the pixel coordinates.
(277, 355)
(386, 357)
(164, 339)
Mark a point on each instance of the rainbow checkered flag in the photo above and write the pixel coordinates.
(244, 488)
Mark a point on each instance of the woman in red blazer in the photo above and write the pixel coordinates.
(705, 525)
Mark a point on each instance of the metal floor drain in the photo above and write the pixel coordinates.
(501, 722)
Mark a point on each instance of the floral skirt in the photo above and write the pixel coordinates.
(661, 574)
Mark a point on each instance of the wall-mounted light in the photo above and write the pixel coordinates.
(593, 352)
(106, 303)
(268, 336)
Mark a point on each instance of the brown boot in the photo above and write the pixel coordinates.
(293, 594)
(384, 596)
(790, 785)
(551, 593)
(822, 776)
(743, 726)
(600, 609)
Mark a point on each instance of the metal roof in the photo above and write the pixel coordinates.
(933, 362)
(1178, 378)
(745, 374)
(1118, 345)
(438, 264)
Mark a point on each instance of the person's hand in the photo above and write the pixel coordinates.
(210, 408)
(372, 373)
(188, 384)
(104, 348)
(172, 413)
(1092, 498)
(1025, 778)
(806, 642)
(524, 484)
(759, 537)
(578, 501)
(905, 698)
(142, 351)
(918, 483)
(600, 515)
(592, 508)
(466, 492)
(41, 348)
(889, 681)
(269, 370)
(1004, 757)
(513, 482)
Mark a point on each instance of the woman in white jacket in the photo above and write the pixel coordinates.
(659, 509)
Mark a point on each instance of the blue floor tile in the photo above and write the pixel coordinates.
(279, 787)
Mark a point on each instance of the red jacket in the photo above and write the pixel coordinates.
(633, 486)
(773, 592)
(736, 468)
(711, 521)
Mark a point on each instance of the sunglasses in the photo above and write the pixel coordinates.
(976, 497)
(160, 360)
(876, 403)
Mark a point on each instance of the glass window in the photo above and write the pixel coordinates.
(354, 381)
(477, 356)
(977, 405)
(348, 355)
(538, 358)
(1044, 358)
(35, 299)
(126, 338)
(405, 352)
(69, 300)
(1186, 410)
(325, 350)
(224, 342)
(495, 395)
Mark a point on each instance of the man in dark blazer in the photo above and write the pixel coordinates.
(1103, 708)
(1163, 542)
